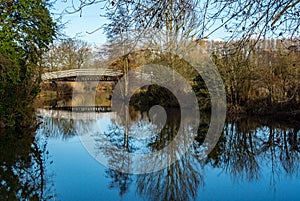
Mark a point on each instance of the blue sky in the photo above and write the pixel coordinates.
(81, 26)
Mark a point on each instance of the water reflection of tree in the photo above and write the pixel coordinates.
(58, 127)
(22, 167)
(168, 132)
(282, 150)
(121, 181)
(246, 149)
(179, 181)
(247, 146)
(65, 128)
(118, 137)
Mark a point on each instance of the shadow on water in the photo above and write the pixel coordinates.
(23, 173)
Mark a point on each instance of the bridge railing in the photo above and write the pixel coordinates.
(80, 72)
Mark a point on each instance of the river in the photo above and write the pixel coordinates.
(73, 156)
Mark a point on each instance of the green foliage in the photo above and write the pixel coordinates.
(26, 30)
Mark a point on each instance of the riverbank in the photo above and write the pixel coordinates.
(144, 99)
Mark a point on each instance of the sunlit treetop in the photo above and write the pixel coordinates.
(26, 28)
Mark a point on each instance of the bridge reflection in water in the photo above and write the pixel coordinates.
(84, 108)
(75, 115)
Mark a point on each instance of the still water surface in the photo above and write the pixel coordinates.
(253, 160)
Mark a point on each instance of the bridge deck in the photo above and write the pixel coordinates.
(81, 73)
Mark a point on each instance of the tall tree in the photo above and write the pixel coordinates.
(68, 54)
(26, 30)
(240, 18)
(172, 16)
(245, 19)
